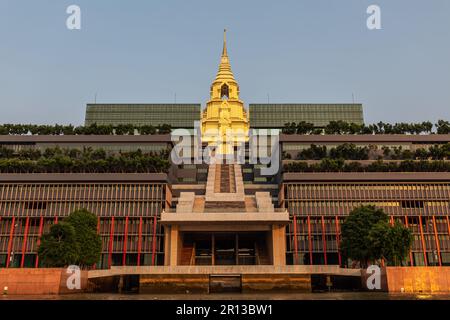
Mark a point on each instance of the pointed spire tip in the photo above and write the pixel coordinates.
(224, 51)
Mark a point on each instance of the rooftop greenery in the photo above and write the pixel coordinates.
(57, 160)
(94, 129)
(340, 165)
(350, 151)
(341, 127)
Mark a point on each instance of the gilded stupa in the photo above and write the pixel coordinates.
(224, 122)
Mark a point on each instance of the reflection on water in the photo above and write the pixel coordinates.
(239, 296)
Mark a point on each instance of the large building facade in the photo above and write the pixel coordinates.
(222, 214)
(129, 206)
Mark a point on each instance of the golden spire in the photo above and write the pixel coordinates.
(224, 121)
(224, 50)
(224, 73)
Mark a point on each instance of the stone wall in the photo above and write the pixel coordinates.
(202, 283)
(418, 279)
(40, 281)
(176, 283)
(276, 282)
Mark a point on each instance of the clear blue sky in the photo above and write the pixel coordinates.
(296, 51)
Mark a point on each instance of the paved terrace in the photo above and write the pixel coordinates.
(224, 270)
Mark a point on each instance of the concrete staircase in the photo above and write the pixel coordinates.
(224, 193)
(224, 184)
(186, 202)
(264, 202)
(224, 180)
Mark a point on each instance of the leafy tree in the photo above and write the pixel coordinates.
(427, 127)
(391, 243)
(407, 155)
(400, 241)
(6, 152)
(355, 231)
(304, 127)
(164, 129)
(59, 247)
(289, 128)
(443, 127)
(421, 154)
(146, 129)
(73, 241)
(350, 151)
(85, 225)
(313, 153)
(436, 152)
(329, 165)
(285, 155)
(337, 127)
(378, 238)
(367, 237)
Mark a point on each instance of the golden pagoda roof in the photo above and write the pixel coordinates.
(224, 74)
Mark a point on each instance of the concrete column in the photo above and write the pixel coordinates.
(174, 245)
(167, 245)
(279, 245)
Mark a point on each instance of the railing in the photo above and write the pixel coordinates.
(172, 210)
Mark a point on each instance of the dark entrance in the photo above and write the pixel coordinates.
(222, 248)
(225, 249)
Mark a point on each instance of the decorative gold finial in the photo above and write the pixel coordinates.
(224, 51)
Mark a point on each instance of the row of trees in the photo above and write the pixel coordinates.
(86, 153)
(57, 160)
(350, 151)
(435, 152)
(339, 165)
(342, 127)
(345, 151)
(94, 129)
(74, 241)
(112, 164)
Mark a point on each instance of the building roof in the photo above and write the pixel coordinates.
(273, 115)
(178, 115)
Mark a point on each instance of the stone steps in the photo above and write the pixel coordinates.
(218, 206)
(224, 183)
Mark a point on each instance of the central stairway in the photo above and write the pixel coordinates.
(225, 184)
(225, 189)
(224, 179)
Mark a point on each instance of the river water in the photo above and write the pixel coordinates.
(238, 296)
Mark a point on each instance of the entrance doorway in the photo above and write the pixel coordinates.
(222, 248)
